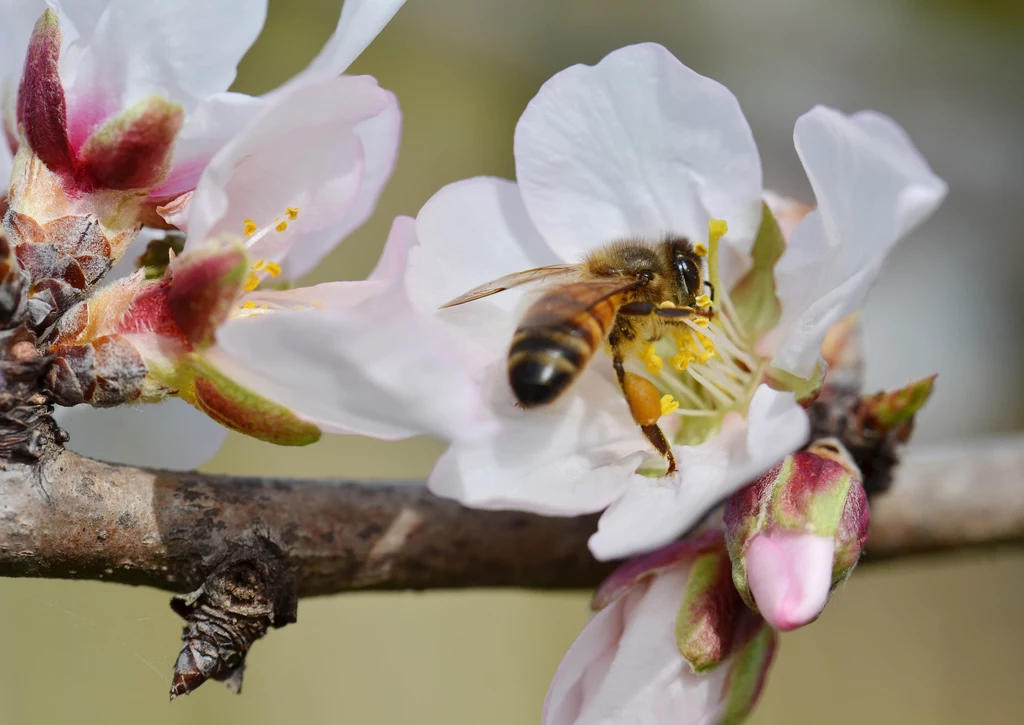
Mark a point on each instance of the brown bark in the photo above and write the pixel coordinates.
(77, 518)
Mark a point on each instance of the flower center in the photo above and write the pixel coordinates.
(711, 366)
(261, 268)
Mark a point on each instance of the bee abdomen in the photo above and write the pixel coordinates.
(543, 362)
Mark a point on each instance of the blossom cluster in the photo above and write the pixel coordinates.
(691, 435)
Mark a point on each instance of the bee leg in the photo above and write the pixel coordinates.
(669, 314)
(644, 402)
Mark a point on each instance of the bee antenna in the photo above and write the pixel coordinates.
(710, 287)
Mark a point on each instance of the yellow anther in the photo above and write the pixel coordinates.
(252, 281)
(651, 361)
(264, 307)
(682, 361)
(717, 229)
(282, 226)
(702, 301)
(273, 269)
(667, 305)
(700, 249)
(701, 321)
(259, 265)
(317, 304)
(250, 227)
(292, 213)
(703, 357)
(668, 404)
(249, 305)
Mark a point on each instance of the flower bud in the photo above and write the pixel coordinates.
(796, 533)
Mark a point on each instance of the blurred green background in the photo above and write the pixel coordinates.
(923, 641)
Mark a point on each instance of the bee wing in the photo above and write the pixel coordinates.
(551, 309)
(514, 280)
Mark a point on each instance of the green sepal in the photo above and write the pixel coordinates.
(754, 297)
(747, 676)
(240, 409)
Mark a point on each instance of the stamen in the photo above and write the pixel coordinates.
(700, 249)
(282, 226)
(651, 360)
(252, 281)
(273, 269)
(702, 301)
(249, 227)
(249, 305)
(259, 265)
(668, 404)
(711, 388)
(292, 213)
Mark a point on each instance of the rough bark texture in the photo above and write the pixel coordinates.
(78, 518)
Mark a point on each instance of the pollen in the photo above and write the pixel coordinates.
(668, 404)
(259, 265)
(701, 321)
(292, 213)
(249, 227)
(682, 360)
(252, 281)
(282, 226)
(273, 269)
(702, 301)
(249, 305)
(700, 249)
(651, 360)
(717, 229)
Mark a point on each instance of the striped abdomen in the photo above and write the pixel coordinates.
(556, 339)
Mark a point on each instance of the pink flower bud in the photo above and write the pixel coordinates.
(796, 533)
(205, 284)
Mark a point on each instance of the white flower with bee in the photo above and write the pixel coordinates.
(638, 181)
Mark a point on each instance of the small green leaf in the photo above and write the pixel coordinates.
(805, 389)
(754, 296)
(895, 407)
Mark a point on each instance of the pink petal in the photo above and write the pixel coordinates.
(360, 22)
(790, 575)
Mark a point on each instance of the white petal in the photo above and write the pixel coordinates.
(593, 649)
(872, 187)
(171, 434)
(647, 680)
(360, 22)
(790, 576)
(376, 368)
(215, 121)
(471, 232)
(654, 512)
(182, 50)
(379, 136)
(19, 17)
(638, 145)
(301, 152)
(573, 457)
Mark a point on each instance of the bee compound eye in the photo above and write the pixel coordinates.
(689, 274)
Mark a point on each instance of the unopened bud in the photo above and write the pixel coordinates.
(796, 533)
(42, 107)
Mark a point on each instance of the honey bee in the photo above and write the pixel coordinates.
(623, 294)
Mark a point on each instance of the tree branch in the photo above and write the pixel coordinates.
(77, 518)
